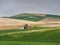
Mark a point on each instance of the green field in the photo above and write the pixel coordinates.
(26, 43)
(40, 36)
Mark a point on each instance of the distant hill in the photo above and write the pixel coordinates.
(34, 17)
(28, 16)
(52, 16)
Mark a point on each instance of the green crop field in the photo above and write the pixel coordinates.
(33, 17)
(40, 36)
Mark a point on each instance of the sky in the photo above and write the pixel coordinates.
(13, 7)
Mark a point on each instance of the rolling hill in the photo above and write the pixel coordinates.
(28, 16)
(10, 34)
(34, 17)
(45, 20)
(8, 23)
(47, 36)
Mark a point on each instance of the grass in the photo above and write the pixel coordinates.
(26, 37)
(26, 43)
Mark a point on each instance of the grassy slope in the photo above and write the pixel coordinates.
(26, 43)
(33, 17)
(52, 16)
(27, 16)
(21, 37)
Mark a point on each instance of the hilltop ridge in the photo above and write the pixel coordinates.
(34, 17)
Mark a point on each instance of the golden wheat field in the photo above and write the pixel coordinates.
(6, 23)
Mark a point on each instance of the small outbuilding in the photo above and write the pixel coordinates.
(27, 26)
